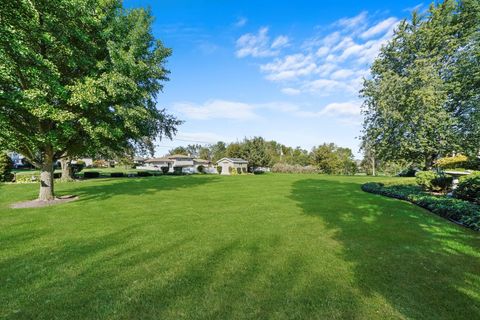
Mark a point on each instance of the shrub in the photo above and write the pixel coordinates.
(26, 178)
(288, 168)
(91, 174)
(6, 166)
(239, 170)
(143, 174)
(117, 174)
(433, 181)
(463, 212)
(244, 170)
(219, 169)
(78, 166)
(177, 170)
(408, 172)
(201, 169)
(100, 164)
(469, 188)
(457, 161)
(232, 171)
(164, 170)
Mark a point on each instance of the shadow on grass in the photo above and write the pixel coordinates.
(115, 276)
(424, 266)
(106, 188)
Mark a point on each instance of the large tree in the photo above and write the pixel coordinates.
(75, 76)
(412, 110)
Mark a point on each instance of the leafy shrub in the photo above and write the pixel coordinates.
(239, 170)
(78, 166)
(232, 171)
(26, 178)
(433, 181)
(117, 174)
(469, 188)
(463, 212)
(177, 170)
(143, 174)
(473, 163)
(6, 166)
(91, 174)
(288, 168)
(201, 169)
(457, 161)
(100, 164)
(164, 170)
(219, 169)
(244, 170)
(408, 172)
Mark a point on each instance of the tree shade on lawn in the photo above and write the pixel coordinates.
(269, 246)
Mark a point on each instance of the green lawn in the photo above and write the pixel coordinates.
(253, 247)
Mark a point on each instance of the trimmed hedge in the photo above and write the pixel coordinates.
(143, 174)
(459, 211)
(91, 174)
(117, 175)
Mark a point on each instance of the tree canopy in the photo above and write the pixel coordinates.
(78, 76)
(420, 101)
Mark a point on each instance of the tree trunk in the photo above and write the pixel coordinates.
(67, 172)
(46, 180)
(373, 167)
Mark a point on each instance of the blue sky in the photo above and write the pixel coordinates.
(284, 70)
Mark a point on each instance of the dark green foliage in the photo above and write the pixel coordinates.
(201, 169)
(91, 174)
(409, 172)
(433, 181)
(144, 174)
(463, 212)
(164, 170)
(177, 170)
(117, 175)
(421, 100)
(219, 169)
(332, 159)
(239, 170)
(469, 188)
(6, 166)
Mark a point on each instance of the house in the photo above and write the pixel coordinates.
(138, 161)
(187, 164)
(229, 164)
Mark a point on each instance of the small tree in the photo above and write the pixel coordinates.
(6, 166)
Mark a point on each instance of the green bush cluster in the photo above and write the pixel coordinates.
(458, 161)
(219, 169)
(6, 166)
(233, 171)
(117, 175)
(289, 168)
(459, 211)
(143, 174)
(469, 188)
(91, 174)
(408, 172)
(201, 169)
(433, 181)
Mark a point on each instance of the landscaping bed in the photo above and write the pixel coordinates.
(459, 211)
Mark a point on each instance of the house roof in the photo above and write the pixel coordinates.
(138, 159)
(159, 160)
(234, 160)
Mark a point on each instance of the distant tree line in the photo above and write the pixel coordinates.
(327, 158)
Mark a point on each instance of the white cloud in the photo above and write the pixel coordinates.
(279, 42)
(241, 22)
(291, 91)
(216, 109)
(289, 67)
(258, 45)
(333, 63)
(349, 109)
(355, 22)
(381, 27)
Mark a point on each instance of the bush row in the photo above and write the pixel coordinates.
(289, 168)
(433, 181)
(459, 211)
